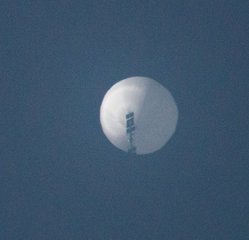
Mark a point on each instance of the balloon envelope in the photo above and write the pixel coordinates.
(154, 114)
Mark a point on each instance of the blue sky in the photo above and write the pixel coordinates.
(60, 178)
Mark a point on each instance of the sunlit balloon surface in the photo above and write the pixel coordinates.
(155, 114)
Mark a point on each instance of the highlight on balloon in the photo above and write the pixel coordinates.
(138, 115)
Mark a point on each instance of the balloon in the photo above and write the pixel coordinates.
(138, 115)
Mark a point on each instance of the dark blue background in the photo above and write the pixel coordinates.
(60, 178)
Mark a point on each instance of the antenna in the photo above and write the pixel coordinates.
(130, 131)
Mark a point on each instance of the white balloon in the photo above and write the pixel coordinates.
(155, 115)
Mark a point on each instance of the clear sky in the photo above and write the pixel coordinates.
(61, 179)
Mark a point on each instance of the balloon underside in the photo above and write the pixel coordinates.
(155, 114)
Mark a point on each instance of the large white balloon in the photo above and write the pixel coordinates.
(151, 109)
